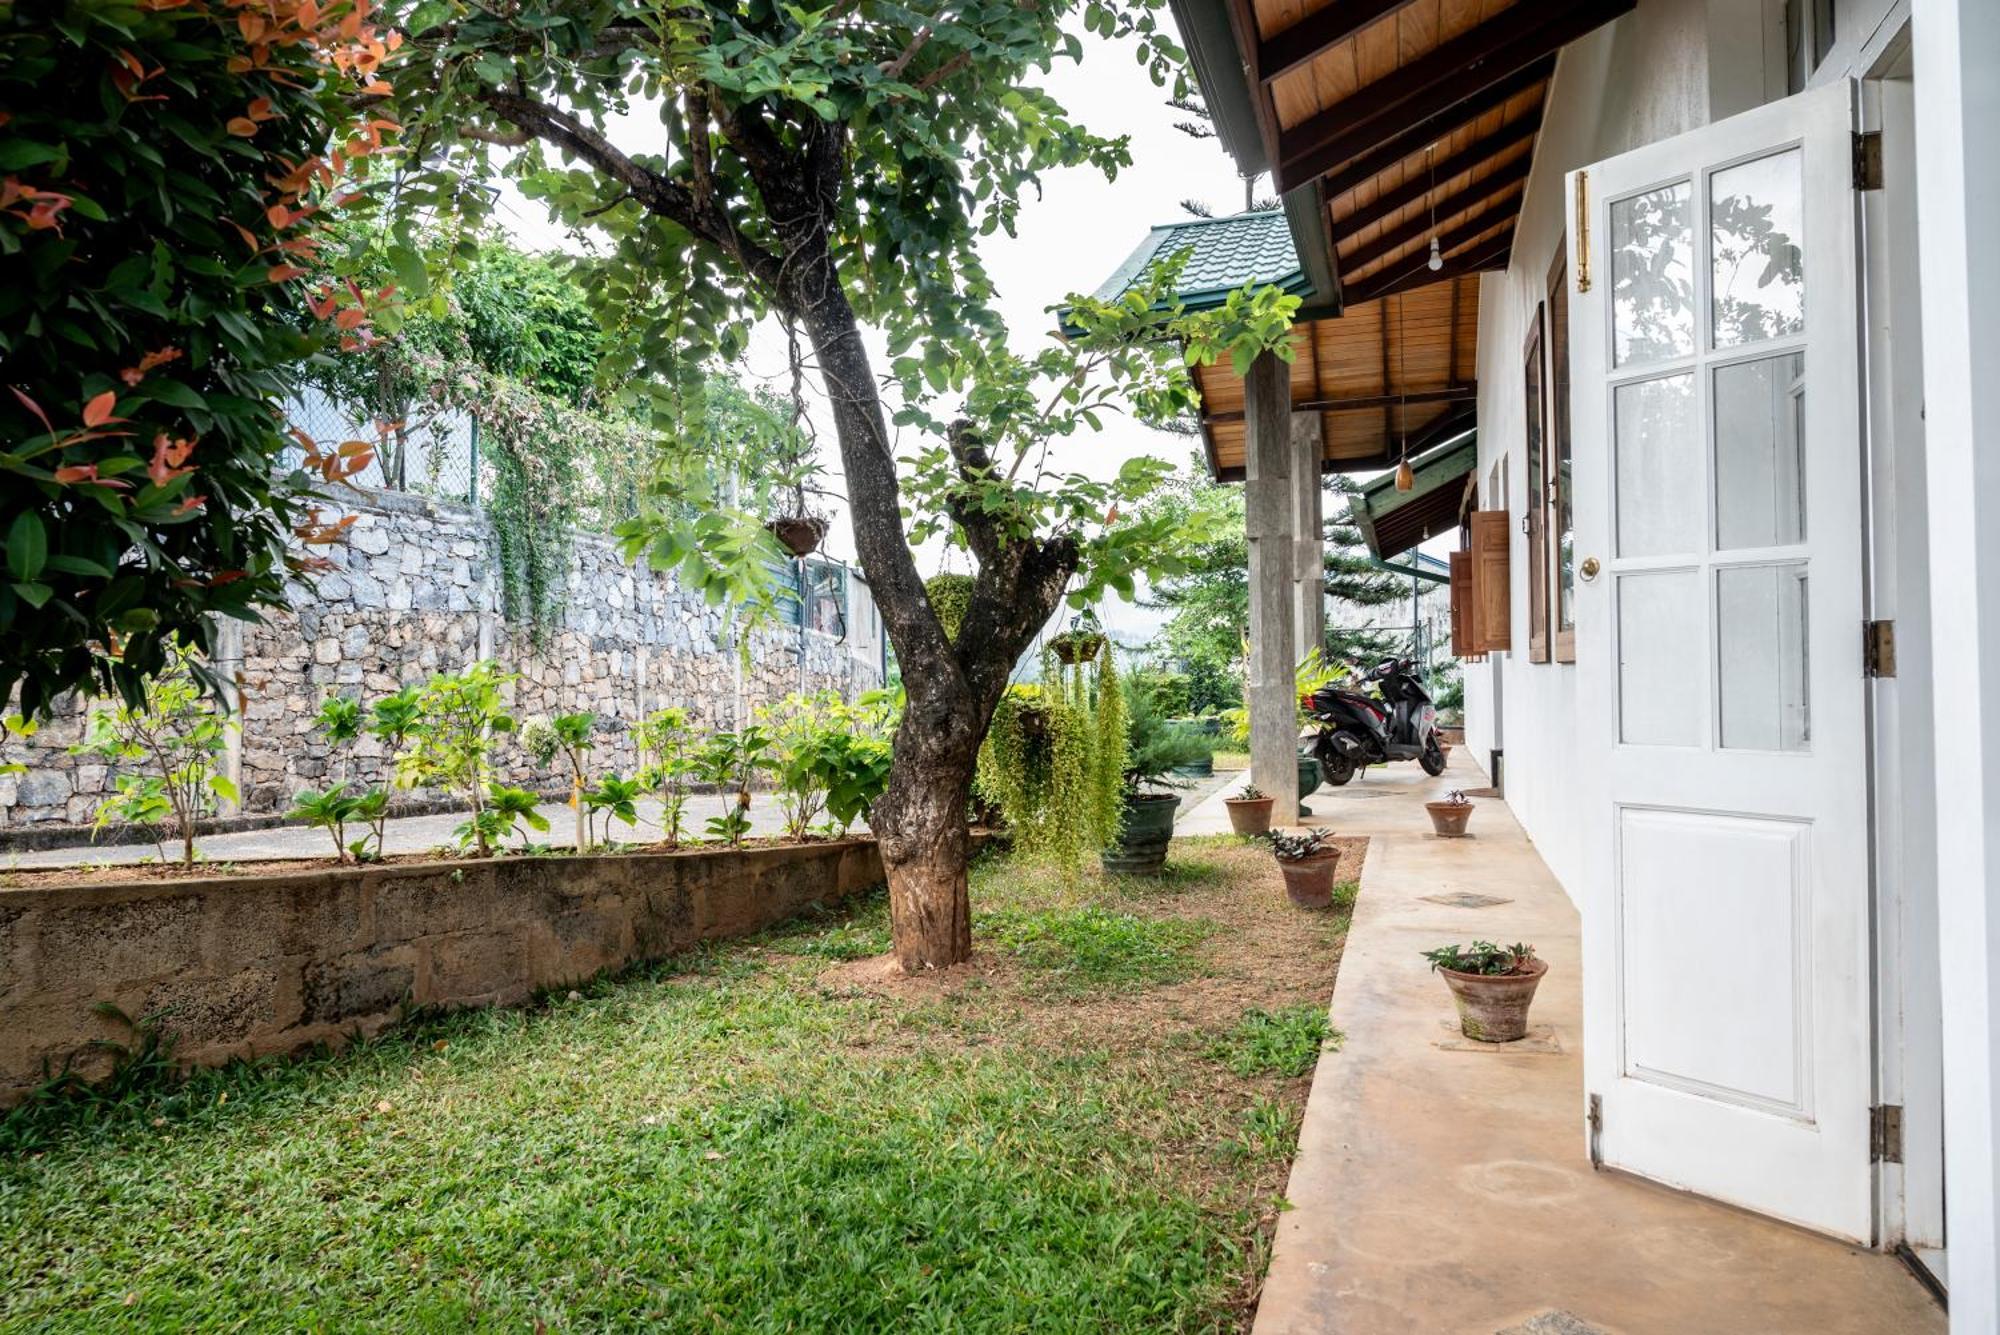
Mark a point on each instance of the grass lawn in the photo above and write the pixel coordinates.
(1087, 1128)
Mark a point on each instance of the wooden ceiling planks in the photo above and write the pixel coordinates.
(1418, 118)
(1378, 374)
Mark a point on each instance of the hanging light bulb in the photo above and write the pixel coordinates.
(1430, 197)
(1406, 477)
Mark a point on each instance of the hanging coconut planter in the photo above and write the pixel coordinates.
(800, 535)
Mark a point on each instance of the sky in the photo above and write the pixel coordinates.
(1071, 239)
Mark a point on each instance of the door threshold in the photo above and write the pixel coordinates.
(1928, 1265)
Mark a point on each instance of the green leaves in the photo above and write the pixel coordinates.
(27, 546)
(139, 323)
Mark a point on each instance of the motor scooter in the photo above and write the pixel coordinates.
(1356, 730)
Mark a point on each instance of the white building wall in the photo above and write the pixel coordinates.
(1643, 78)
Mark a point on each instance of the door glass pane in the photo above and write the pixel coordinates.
(1756, 231)
(1760, 466)
(1658, 450)
(1761, 645)
(1652, 275)
(1660, 671)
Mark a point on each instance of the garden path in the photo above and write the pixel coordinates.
(1442, 1189)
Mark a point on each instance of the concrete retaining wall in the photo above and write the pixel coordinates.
(244, 966)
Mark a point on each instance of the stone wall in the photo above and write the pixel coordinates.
(413, 592)
(244, 966)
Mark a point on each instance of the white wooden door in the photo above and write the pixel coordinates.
(1717, 397)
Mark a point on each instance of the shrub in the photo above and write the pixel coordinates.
(165, 170)
(732, 761)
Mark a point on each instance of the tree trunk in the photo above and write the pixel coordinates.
(925, 851)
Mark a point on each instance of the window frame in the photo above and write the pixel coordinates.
(1534, 387)
(1558, 451)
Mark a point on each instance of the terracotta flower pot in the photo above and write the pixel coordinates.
(1449, 818)
(1249, 815)
(1309, 880)
(1493, 1008)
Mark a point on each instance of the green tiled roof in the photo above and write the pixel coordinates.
(1224, 254)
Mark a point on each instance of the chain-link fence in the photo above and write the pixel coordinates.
(436, 455)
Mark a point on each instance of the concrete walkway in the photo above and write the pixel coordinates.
(1444, 1188)
(406, 834)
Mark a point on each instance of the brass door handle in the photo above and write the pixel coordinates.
(1588, 569)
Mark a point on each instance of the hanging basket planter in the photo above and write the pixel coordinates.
(1077, 646)
(800, 535)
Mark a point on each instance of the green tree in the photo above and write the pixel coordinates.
(166, 171)
(834, 168)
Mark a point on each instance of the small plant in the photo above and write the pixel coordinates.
(333, 811)
(174, 733)
(339, 721)
(503, 812)
(617, 798)
(1298, 847)
(1483, 958)
(731, 760)
(1251, 793)
(451, 741)
(567, 735)
(1456, 798)
(667, 737)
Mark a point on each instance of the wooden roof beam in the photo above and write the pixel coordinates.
(1449, 394)
(1490, 254)
(1502, 181)
(1436, 81)
(1413, 141)
(1285, 51)
(1419, 183)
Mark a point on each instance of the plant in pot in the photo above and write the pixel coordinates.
(1146, 826)
(1082, 642)
(1449, 814)
(1308, 860)
(1493, 986)
(1250, 810)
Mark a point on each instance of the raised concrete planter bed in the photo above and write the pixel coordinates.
(244, 965)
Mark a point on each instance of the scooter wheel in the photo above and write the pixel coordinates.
(1335, 768)
(1433, 757)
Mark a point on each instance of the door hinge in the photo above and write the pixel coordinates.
(1878, 648)
(1595, 1117)
(1867, 159)
(1885, 1133)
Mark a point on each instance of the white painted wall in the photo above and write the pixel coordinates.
(1667, 67)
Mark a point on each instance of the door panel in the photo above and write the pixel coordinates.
(1719, 676)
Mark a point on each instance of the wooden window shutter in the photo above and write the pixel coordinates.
(1461, 605)
(1491, 594)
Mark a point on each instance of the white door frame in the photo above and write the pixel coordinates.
(1903, 738)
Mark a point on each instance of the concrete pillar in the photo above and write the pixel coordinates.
(1270, 524)
(1957, 60)
(228, 667)
(1309, 536)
